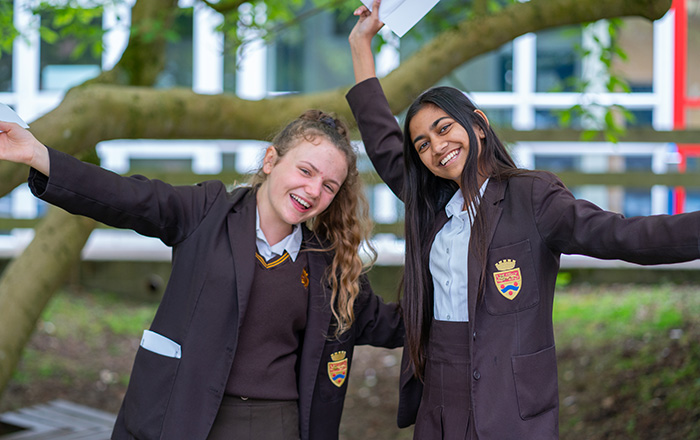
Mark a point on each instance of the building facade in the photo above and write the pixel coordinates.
(522, 85)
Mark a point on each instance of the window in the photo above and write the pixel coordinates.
(67, 61)
(636, 39)
(178, 54)
(491, 72)
(558, 59)
(6, 17)
(557, 164)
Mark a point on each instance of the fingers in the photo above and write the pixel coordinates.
(362, 10)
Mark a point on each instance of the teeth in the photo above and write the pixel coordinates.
(448, 157)
(302, 202)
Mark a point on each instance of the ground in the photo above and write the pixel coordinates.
(629, 366)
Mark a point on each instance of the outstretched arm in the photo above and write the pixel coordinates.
(381, 133)
(20, 146)
(360, 39)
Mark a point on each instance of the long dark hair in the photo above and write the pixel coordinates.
(425, 195)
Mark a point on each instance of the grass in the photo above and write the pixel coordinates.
(629, 360)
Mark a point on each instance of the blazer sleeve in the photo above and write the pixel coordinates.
(376, 322)
(380, 132)
(574, 226)
(150, 207)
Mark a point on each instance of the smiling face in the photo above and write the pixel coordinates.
(299, 185)
(441, 142)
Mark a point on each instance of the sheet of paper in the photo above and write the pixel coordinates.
(401, 15)
(9, 115)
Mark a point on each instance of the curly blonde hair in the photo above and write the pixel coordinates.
(346, 223)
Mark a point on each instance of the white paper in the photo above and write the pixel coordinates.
(401, 15)
(9, 115)
(161, 345)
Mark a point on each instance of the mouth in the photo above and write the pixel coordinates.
(450, 157)
(301, 204)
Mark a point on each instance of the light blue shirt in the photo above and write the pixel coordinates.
(291, 243)
(448, 262)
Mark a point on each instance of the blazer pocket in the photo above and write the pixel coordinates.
(511, 282)
(535, 378)
(148, 394)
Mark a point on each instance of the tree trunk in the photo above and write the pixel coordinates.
(31, 279)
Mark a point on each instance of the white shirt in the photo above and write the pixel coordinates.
(291, 243)
(448, 262)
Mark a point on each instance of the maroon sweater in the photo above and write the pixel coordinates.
(265, 364)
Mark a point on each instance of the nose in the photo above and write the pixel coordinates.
(313, 188)
(439, 146)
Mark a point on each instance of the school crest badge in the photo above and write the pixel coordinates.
(508, 279)
(338, 368)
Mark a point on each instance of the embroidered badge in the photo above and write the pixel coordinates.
(338, 368)
(305, 278)
(508, 280)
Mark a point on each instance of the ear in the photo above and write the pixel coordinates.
(482, 135)
(270, 159)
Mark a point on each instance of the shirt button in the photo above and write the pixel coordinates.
(448, 317)
(474, 336)
(447, 251)
(477, 375)
(447, 283)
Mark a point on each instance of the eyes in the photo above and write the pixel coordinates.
(327, 186)
(442, 129)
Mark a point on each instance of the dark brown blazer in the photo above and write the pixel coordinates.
(532, 219)
(212, 235)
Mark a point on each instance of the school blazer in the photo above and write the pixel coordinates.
(212, 234)
(532, 219)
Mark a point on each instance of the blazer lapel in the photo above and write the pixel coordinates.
(240, 222)
(317, 326)
(491, 210)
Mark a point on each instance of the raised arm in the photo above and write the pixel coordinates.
(381, 133)
(20, 146)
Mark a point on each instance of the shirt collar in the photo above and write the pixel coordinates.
(291, 243)
(454, 206)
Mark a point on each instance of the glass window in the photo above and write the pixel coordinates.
(491, 72)
(500, 117)
(178, 54)
(636, 38)
(5, 72)
(638, 163)
(558, 59)
(6, 206)
(6, 19)
(288, 61)
(546, 118)
(557, 164)
(65, 62)
(313, 56)
(637, 202)
(692, 200)
(692, 118)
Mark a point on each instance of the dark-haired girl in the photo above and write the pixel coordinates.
(483, 242)
(255, 333)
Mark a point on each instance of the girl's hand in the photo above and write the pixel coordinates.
(20, 146)
(367, 25)
(360, 39)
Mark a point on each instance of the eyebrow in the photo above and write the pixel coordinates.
(432, 127)
(310, 165)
